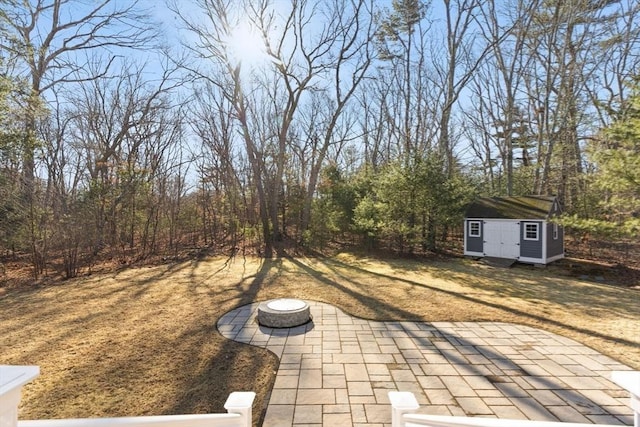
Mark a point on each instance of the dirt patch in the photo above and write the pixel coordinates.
(143, 340)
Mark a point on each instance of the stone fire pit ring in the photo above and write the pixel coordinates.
(283, 313)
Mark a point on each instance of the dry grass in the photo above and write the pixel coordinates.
(144, 340)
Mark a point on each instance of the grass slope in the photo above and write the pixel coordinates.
(144, 341)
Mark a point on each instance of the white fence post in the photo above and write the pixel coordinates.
(12, 378)
(402, 402)
(240, 402)
(630, 381)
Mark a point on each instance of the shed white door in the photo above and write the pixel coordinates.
(502, 239)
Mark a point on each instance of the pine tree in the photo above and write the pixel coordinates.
(616, 182)
(618, 162)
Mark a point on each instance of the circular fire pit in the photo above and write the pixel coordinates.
(283, 313)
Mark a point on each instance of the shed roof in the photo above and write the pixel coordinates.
(524, 207)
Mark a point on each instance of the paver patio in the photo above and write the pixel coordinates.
(337, 370)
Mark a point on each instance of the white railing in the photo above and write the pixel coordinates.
(404, 405)
(12, 378)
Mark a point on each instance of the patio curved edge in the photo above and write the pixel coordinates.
(337, 370)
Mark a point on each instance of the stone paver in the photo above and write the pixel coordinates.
(337, 370)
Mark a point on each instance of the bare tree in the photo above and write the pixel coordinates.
(123, 126)
(497, 87)
(400, 34)
(608, 89)
(310, 46)
(50, 39)
(462, 55)
(225, 193)
(565, 42)
(353, 30)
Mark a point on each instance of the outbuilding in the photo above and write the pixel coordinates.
(514, 228)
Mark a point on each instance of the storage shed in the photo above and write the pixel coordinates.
(516, 228)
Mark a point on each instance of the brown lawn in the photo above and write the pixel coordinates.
(144, 341)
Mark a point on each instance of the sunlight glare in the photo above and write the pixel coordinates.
(246, 45)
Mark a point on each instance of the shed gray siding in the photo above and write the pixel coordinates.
(475, 244)
(503, 217)
(554, 246)
(531, 248)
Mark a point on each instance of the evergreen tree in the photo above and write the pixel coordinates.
(409, 206)
(616, 157)
(618, 162)
(396, 44)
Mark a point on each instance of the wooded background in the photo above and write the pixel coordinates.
(131, 129)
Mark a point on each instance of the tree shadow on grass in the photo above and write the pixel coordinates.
(525, 282)
(144, 343)
(334, 265)
(232, 366)
(192, 366)
(380, 307)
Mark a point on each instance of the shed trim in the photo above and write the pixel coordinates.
(527, 233)
(531, 260)
(477, 232)
(555, 258)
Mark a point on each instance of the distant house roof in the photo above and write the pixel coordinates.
(525, 207)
